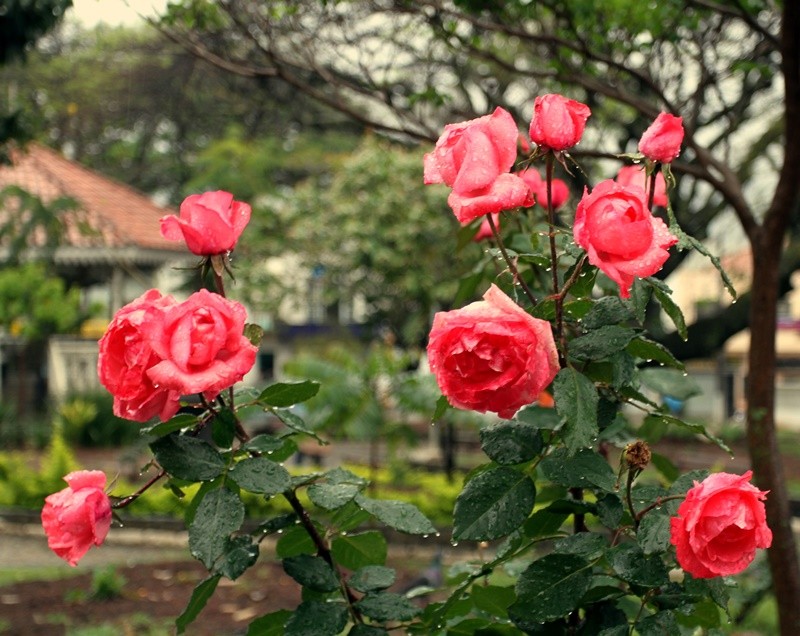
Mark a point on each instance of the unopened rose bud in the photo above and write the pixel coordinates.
(638, 455)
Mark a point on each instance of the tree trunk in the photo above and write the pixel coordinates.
(761, 435)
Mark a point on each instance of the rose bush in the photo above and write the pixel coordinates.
(558, 122)
(77, 517)
(619, 233)
(474, 158)
(201, 345)
(125, 357)
(663, 138)
(491, 355)
(210, 223)
(559, 190)
(720, 525)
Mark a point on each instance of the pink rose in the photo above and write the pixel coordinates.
(720, 525)
(201, 345)
(485, 230)
(557, 122)
(491, 355)
(77, 517)
(210, 223)
(662, 140)
(559, 191)
(125, 356)
(636, 176)
(620, 234)
(474, 158)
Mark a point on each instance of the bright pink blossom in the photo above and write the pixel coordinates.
(125, 356)
(662, 140)
(559, 191)
(636, 176)
(201, 345)
(474, 158)
(210, 223)
(77, 517)
(720, 525)
(491, 355)
(620, 234)
(558, 122)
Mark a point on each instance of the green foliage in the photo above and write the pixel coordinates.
(88, 421)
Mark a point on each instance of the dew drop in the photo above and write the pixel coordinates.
(685, 374)
(425, 536)
(280, 531)
(454, 544)
(438, 534)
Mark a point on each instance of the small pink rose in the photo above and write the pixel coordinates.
(558, 123)
(559, 191)
(125, 356)
(201, 346)
(720, 525)
(636, 176)
(474, 159)
(77, 517)
(491, 355)
(662, 140)
(620, 234)
(210, 223)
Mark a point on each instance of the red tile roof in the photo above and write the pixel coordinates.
(117, 215)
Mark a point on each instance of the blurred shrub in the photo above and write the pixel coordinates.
(89, 421)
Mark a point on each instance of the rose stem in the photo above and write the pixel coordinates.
(558, 298)
(651, 194)
(323, 551)
(512, 266)
(131, 498)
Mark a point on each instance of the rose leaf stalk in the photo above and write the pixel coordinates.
(126, 501)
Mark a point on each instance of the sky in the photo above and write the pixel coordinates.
(113, 12)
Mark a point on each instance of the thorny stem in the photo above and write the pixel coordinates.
(657, 503)
(323, 551)
(512, 266)
(573, 278)
(219, 264)
(632, 474)
(651, 193)
(125, 501)
(557, 297)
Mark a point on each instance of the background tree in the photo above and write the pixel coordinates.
(405, 68)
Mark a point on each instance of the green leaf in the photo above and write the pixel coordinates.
(278, 449)
(670, 382)
(467, 286)
(442, 405)
(662, 294)
(601, 343)
(610, 510)
(589, 545)
(585, 284)
(688, 241)
(665, 466)
(275, 524)
(576, 400)
(493, 599)
(539, 417)
(371, 578)
(658, 624)
(367, 630)
(609, 310)
(332, 496)
(202, 592)
(698, 429)
(399, 515)
(188, 458)
(654, 532)
(312, 572)
(632, 565)
(270, 624)
(646, 349)
(550, 588)
(220, 513)
(355, 551)
(283, 394)
(294, 541)
(297, 424)
(584, 469)
(223, 428)
(261, 475)
(177, 423)
(640, 299)
(511, 442)
(604, 619)
(254, 333)
(493, 504)
(543, 523)
(315, 618)
(239, 554)
(387, 606)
